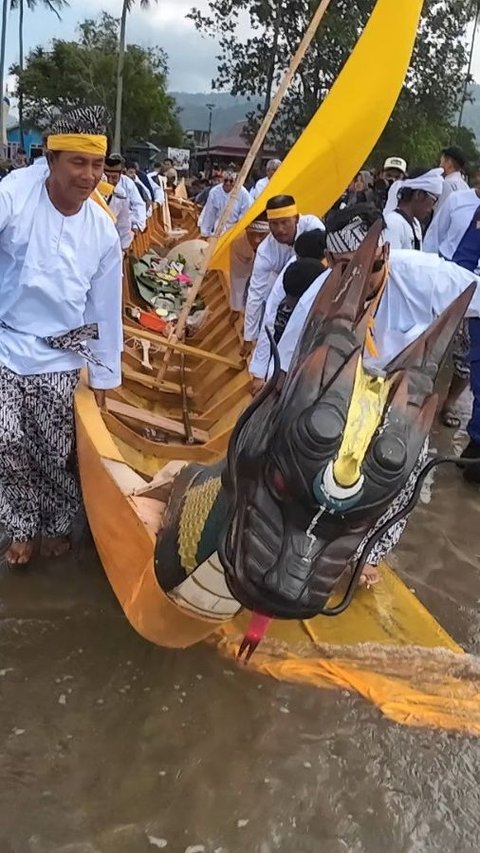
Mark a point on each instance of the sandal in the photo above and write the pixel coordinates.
(449, 418)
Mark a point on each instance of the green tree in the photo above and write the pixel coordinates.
(69, 74)
(126, 7)
(54, 6)
(434, 81)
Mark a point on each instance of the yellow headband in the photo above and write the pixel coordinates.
(84, 143)
(282, 212)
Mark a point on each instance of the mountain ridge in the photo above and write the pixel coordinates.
(228, 109)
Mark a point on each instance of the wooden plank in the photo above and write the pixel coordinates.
(157, 449)
(150, 382)
(145, 417)
(151, 513)
(187, 349)
(161, 484)
(127, 480)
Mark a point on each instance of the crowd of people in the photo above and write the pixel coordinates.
(61, 271)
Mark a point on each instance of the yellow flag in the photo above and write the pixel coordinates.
(346, 127)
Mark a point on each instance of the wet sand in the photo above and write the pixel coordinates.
(111, 745)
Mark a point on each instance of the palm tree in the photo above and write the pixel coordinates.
(127, 5)
(3, 41)
(53, 6)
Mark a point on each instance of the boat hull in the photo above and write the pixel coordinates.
(124, 544)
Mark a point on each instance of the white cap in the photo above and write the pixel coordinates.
(396, 163)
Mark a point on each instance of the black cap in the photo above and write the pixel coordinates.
(114, 160)
(455, 153)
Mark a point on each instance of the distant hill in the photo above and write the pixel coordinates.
(471, 113)
(193, 113)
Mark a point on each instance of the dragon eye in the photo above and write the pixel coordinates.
(277, 481)
(325, 423)
(390, 453)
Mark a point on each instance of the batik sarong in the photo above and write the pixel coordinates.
(39, 492)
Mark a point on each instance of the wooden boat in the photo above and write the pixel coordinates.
(128, 456)
(386, 645)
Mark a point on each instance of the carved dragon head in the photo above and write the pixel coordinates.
(312, 468)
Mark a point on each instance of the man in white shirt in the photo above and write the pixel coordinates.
(263, 183)
(285, 225)
(60, 309)
(310, 244)
(455, 235)
(242, 256)
(417, 288)
(158, 182)
(416, 199)
(216, 203)
(453, 163)
(447, 237)
(138, 208)
(118, 201)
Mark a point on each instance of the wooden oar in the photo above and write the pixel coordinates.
(242, 175)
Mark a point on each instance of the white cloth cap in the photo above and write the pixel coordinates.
(430, 182)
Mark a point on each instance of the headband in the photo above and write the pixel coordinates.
(282, 212)
(260, 227)
(348, 238)
(84, 143)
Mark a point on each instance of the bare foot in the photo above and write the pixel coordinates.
(370, 576)
(54, 546)
(19, 553)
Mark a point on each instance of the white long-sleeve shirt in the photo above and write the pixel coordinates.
(57, 273)
(270, 260)
(399, 233)
(453, 183)
(138, 208)
(157, 189)
(118, 204)
(258, 366)
(448, 228)
(259, 188)
(419, 288)
(216, 202)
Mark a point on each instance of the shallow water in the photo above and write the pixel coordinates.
(111, 745)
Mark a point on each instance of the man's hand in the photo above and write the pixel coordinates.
(256, 386)
(246, 349)
(99, 397)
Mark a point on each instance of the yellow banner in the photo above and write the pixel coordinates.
(348, 124)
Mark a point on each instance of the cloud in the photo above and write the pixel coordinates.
(191, 57)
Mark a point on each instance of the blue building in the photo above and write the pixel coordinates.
(32, 139)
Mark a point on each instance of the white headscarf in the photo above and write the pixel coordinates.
(430, 182)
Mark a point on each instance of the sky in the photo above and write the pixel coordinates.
(191, 57)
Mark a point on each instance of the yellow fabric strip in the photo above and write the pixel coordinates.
(105, 189)
(347, 125)
(96, 197)
(387, 647)
(84, 143)
(283, 212)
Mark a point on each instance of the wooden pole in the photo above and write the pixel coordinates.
(242, 175)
